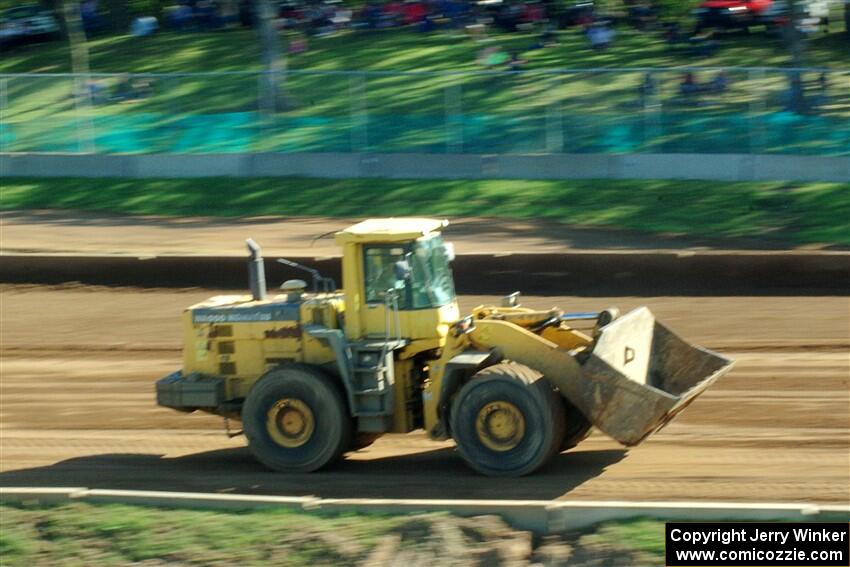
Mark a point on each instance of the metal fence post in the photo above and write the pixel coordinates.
(652, 110)
(81, 93)
(555, 122)
(453, 101)
(847, 100)
(4, 113)
(89, 106)
(358, 107)
(177, 113)
(757, 107)
(265, 120)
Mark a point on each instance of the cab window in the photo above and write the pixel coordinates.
(381, 274)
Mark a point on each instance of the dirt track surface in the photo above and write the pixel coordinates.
(64, 232)
(77, 409)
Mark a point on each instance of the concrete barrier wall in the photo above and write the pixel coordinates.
(715, 167)
(580, 273)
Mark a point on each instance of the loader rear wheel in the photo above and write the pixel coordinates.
(295, 420)
(507, 421)
(577, 427)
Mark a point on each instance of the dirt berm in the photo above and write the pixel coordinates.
(48, 247)
(600, 274)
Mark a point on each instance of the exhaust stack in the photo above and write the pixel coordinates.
(256, 271)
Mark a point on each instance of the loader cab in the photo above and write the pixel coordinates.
(397, 279)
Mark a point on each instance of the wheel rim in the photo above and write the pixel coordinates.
(290, 423)
(500, 426)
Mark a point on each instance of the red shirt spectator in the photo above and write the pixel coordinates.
(414, 12)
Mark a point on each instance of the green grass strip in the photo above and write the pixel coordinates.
(85, 534)
(793, 213)
(115, 534)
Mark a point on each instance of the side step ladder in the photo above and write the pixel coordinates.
(373, 372)
(373, 381)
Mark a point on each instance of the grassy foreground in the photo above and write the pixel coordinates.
(791, 213)
(85, 534)
(406, 49)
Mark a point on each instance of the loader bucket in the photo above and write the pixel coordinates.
(640, 375)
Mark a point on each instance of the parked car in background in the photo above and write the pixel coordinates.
(731, 14)
(579, 13)
(27, 23)
(814, 15)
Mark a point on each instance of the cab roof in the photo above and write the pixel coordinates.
(390, 230)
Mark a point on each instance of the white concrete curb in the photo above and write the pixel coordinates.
(540, 516)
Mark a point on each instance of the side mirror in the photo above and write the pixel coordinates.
(402, 270)
(449, 249)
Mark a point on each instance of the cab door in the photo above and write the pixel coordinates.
(386, 293)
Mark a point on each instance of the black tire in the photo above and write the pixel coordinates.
(576, 428)
(331, 431)
(529, 393)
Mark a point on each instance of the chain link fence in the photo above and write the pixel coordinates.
(682, 110)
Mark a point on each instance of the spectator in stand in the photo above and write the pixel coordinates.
(393, 13)
(673, 34)
(427, 24)
(516, 63)
(206, 15)
(123, 89)
(549, 36)
(823, 83)
(600, 37)
(689, 85)
(795, 97)
(91, 20)
(298, 45)
(641, 14)
(822, 98)
(367, 16)
(414, 12)
(456, 12)
(143, 26)
(646, 90)
(492, 56)
(97, 91)
(320, 21)
(508, 17)
(246, 13)
(585, 20)
(532, 13)
(181, 18)
(719, 83)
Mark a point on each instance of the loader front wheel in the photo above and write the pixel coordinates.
(507, 421)
(295, 420)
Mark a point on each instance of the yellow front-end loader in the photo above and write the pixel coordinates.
(315, 371)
